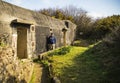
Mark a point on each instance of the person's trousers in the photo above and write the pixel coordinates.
(51, 46)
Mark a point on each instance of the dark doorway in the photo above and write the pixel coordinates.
(22, 42)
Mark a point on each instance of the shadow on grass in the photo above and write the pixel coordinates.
(99, 64)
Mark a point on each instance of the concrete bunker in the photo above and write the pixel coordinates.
(23, 37)
(35, 27)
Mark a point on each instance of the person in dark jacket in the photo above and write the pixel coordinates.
(51, 42)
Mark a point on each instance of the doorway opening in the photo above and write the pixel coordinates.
(22, 42)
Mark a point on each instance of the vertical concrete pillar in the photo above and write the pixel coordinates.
(64, 36)
(32, 41)
(14, 44)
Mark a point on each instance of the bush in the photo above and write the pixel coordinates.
(114, 37)
(61, 51)
(64, 50)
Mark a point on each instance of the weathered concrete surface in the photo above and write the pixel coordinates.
(43, 26)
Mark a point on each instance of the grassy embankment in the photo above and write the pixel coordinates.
(93, 64)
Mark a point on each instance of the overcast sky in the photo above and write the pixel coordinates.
(95, 8)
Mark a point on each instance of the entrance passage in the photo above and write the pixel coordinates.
(22, 42)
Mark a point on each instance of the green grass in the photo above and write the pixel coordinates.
(62, 62)
(33, 78)
(94, 64)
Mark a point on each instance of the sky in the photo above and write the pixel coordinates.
(95, 8)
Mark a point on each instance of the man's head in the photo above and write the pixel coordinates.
(52, 34)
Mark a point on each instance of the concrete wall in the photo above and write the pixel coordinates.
(41, 38)
(42, 23)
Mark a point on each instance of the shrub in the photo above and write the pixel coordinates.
(61, 51)
(64, 50)
(114, 37)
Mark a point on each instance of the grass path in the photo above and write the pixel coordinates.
(39, 74)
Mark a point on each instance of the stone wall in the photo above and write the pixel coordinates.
(13, 70)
